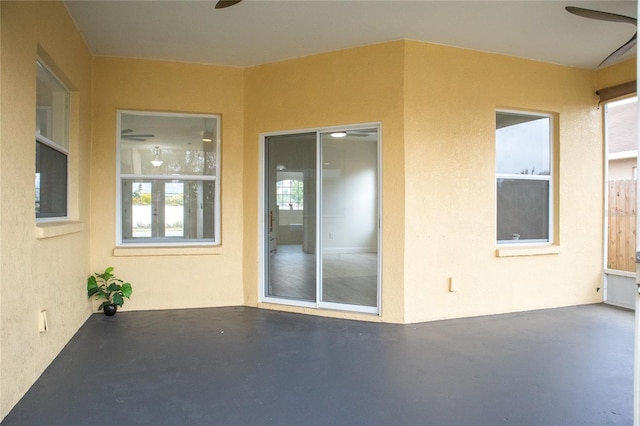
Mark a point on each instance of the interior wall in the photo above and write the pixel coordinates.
(42, 267)
(349, 196)
(451, 97)
(187, 277)
(361, 85)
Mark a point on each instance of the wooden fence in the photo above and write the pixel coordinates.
(621, 219)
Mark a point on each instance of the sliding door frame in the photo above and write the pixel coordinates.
(263, 242)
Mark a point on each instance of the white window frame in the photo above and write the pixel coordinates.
(550, 178)
(290, 187)
(55, 145)
(161, 242)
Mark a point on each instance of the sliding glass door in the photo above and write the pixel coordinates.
(322, 219)
(349, 205)
(291, 217)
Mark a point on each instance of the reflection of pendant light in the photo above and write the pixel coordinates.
(207, 136)
(157, 162)
(338, 134)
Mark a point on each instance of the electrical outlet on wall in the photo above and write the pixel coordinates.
(43, 324)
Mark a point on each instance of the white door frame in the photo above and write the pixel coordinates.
(636, 358)
(263, 251)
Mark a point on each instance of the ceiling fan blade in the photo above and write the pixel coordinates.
(226, 3)
(134, 139)
(621, 50)
(139, 136)
(601, 16)
(126, 131)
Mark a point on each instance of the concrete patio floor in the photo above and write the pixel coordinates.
(246, 366)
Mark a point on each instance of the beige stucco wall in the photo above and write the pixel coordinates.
(444, 155)
(451, 98)
(180, 277)
(39, 273)
(351, 86)
(436, 105)
(619, 73)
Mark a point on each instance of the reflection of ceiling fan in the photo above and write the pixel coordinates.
(357, 133)
(130, 135)
(226, 3)
(361, 133)
(611, 17)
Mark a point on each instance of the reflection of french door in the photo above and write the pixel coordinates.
(157, 209)
(321, 216)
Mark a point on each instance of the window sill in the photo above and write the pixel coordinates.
(527, 251)
(56, 229)
(167, 251)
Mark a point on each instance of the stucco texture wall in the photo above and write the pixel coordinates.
(619, 73)
(176, 277)
(436, 106)
(39, 273)
(351, 86)
(451, 98)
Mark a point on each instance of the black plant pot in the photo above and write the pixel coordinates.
(110, 310)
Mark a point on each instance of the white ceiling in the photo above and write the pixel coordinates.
(261, 31)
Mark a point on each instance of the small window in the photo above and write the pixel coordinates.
(523, 177)
(168, 169)
(290, 193)
(52, 146)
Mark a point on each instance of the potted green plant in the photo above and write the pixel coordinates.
(107, 286)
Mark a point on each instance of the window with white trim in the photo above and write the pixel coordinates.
(168, 172)
(290, 193)
(52, 146)
(524, 177)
